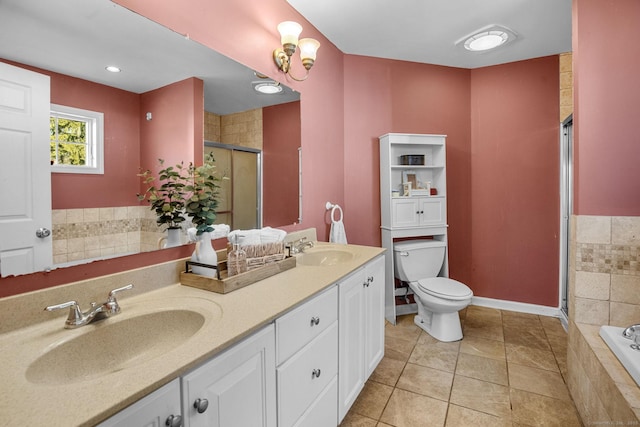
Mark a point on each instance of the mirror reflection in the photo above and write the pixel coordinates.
(170, 96)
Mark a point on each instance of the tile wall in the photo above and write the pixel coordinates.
(604, 289)
(80, 234)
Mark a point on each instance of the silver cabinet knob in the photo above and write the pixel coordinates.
(201, 405)
(316, 373)
(174, 421)
(315, 321)
(43, 232)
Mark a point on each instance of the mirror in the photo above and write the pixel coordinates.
(73, 41)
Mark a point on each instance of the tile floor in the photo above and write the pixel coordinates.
(508, 370)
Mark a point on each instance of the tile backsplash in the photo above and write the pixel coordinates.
(606, 267)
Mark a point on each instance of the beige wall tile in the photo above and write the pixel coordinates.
(591, 311)
(625, 230)
(592, 285)
(91, 215)
(59, 216)
(593, 229)
(625, 288)
(623, 315)
(75, 215)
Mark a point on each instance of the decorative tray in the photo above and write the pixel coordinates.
(223, 284)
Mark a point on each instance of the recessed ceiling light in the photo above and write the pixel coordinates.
(487, 38)
(112, 69)
(269, 88)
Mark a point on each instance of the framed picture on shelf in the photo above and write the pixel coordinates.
(410, 176)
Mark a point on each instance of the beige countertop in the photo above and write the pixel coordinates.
(90, 399)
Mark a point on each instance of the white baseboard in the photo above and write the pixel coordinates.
(521, 307)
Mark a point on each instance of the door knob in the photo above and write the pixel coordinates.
(43, 232)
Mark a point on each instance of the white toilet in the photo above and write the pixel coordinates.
(439, 299)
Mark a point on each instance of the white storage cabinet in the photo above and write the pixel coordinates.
(415, 214)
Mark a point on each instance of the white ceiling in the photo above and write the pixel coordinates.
(427, 30)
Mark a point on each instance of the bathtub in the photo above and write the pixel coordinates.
(622, 348)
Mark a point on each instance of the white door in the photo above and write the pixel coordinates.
(25, 180)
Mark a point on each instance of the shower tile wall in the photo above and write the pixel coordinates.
(606, 281)
(97, 232)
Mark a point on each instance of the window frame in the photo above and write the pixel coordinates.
(95, 139)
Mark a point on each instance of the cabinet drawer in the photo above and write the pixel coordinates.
(323, 412)
(296, 329)
(305, 375)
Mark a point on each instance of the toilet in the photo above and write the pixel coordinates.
(439, 299)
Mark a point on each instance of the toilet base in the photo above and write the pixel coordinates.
(442, 326)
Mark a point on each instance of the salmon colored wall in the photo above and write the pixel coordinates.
(514, 181)
(408, 98)
(176, 131)
(119, 184)
(281, 139)
(606, 60)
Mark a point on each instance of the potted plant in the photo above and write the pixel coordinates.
(183, 190)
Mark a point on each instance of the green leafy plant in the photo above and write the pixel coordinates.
(190, 190)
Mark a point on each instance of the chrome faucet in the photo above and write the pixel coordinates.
(299, 246)
(97, 312)
(631, 331)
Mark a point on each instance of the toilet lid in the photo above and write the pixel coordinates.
(446, 288)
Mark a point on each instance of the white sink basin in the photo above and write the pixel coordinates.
(320, 256)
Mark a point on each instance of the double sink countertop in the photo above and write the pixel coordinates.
(57, 376)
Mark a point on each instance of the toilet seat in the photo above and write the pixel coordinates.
(443, 287)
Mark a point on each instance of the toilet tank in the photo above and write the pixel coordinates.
(418, 259)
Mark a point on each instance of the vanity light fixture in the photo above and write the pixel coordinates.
(112, 69)
(289, 32)
(487, 38)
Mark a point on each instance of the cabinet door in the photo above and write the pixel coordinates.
(432, 211)
(323, 412)
(152, 410)
(238, 385)
(374, 315)
(405, 212)
(351, 341)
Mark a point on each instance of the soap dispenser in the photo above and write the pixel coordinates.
(236, 260)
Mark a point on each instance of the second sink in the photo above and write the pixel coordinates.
(325, 256)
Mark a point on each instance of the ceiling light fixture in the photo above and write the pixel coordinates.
(268, 88)
(289, 32)
(112, 69)
(487, 38)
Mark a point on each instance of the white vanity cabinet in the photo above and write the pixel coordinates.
(307, 358)
(237, 388)
(361, 330)
(158, 409)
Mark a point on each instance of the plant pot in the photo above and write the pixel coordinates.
(172, 239)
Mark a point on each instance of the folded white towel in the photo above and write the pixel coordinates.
(257, 236)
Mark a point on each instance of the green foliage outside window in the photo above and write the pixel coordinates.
(68, 141)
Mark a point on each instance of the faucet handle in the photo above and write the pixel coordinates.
(113, 292)
(75, 315)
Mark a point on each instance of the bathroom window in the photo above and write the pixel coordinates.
(76, 140)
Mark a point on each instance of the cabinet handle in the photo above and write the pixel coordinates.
(421, 212)
(365, 284)
(316, 373)
(201, 405)
(370, 279)
(174, 421)
(315, 321)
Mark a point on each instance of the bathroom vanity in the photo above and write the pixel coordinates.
(292, 349)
